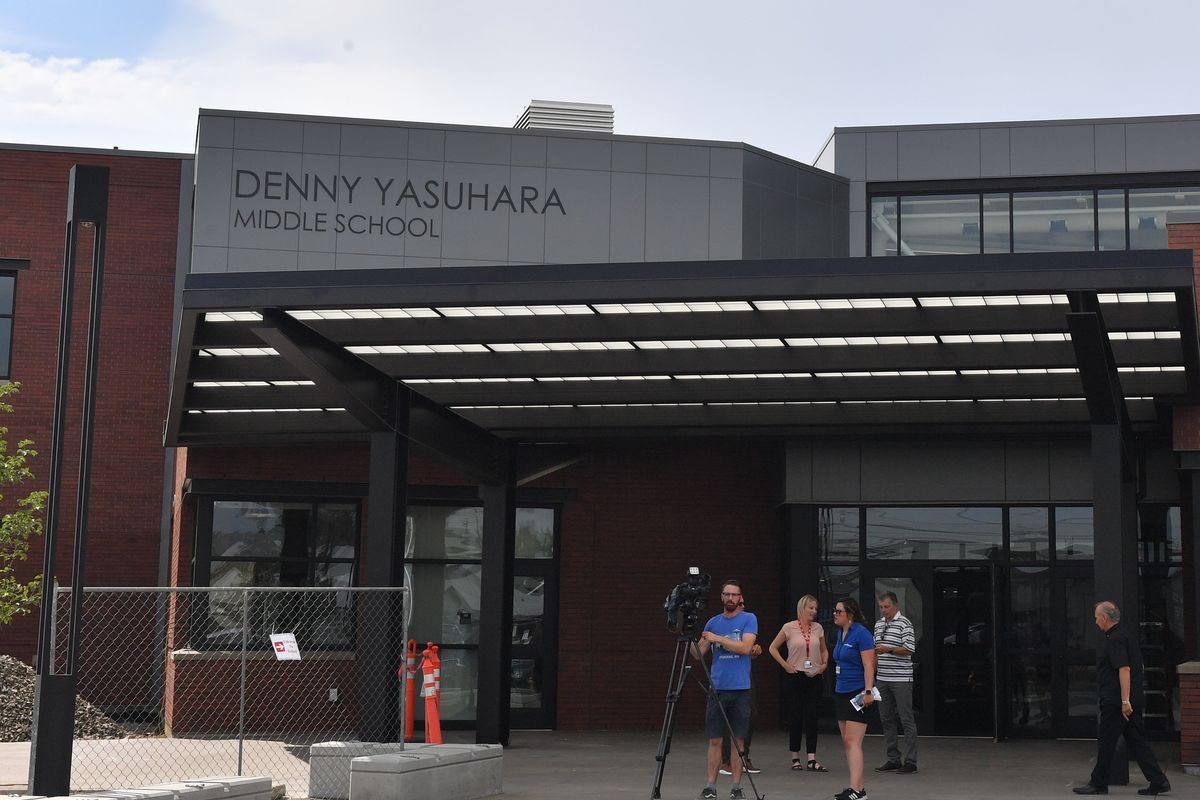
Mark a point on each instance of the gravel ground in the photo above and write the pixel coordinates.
(16, 708)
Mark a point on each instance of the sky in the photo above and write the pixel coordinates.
(778, 75)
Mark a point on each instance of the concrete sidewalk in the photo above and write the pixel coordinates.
(551, 765)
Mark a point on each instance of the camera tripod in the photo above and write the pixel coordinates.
(680, 670)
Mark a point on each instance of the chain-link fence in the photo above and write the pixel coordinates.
(182, 683)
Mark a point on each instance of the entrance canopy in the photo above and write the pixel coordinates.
(542, 352)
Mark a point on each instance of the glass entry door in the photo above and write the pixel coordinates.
(964, 652)
(1051, 652)
(951, 609)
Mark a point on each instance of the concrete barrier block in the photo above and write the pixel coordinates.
(447, 772)
(329, 765)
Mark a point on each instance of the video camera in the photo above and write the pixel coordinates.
(685, 602)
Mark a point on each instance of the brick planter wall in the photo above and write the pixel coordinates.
(1189, 717)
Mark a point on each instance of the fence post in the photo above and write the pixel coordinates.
(242, 687)
(53, 623)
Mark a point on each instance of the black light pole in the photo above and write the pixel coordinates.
(54, 693)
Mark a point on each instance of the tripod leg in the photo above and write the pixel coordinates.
(680, 669)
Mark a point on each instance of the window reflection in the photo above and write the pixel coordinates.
(1053, 221)
(1029, 221)
(444, 532)
(1029, 646)
(934, 533)
(940, 224)
(1029, 534)
(885, 227)
(837, 530)
(1151, 210)
(836, 582)
(535, 533)
(1111, 213)
(1073, 534)
(996, 223)
(529, 609)
(1162, 598)
(445, 602)
(460, 677)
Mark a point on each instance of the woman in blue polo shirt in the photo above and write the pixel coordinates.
(854, 656)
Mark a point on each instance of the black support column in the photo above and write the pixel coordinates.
(380, 646)
(496, 601)
(1114, 461)
(1114, 476)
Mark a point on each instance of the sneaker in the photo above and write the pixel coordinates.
(725, 770)
(709, 793)
(748, 766)
(850, 794)
(908, 769)
(736, 793)
(890, 766)
(1156, 789)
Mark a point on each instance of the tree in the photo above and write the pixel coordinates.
(21, 523)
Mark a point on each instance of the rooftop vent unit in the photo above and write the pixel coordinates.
(567, 116)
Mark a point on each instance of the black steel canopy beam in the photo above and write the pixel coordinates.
(375, 399)
(716, 390)
(367, 394)
(727, 360)
(1002, 273)
(771, 359)
(703, 325)
(1097, 364)
(596, 421)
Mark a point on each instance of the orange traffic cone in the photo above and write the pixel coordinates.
(433, 722)
(410, 691)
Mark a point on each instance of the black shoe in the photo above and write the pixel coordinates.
(1087, 788)
(736, 793)
(891, 766)
(708, 793)
(748, 766)
(1156, 788)
(851, 794)
(908, 769)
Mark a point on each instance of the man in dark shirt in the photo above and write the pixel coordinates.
(1119, 679)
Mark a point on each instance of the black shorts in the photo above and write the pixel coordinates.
(845, 711)
(737, 707)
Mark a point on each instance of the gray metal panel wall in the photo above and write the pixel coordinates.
(983, 471)
(407, 195)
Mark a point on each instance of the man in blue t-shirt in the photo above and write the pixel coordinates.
(730, 636)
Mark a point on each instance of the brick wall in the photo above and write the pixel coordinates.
(127, 470)
(644, 511)
(1189, 713)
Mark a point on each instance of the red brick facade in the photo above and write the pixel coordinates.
(643, 512)
(127, 472)
(1189, 715)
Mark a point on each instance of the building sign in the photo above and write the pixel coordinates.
(374, 205)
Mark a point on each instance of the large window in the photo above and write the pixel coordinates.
(277, 543)
(1116, 218)
(8, 286)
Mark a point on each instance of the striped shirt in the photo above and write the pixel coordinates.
(895, 632)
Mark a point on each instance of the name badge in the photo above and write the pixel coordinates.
(837, 670)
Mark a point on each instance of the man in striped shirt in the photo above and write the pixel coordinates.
(895, 644)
